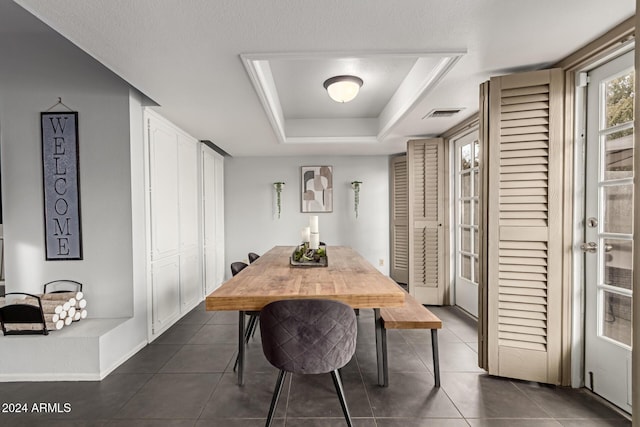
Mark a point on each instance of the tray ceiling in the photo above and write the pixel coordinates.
(191, 58)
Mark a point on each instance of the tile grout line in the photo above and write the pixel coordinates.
(530, 399)
(209, 397)
(373, 415)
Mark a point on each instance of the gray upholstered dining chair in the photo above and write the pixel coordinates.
(308, 336)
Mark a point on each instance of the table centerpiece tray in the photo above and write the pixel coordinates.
(303, 256)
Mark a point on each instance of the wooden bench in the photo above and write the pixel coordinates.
(412, 315)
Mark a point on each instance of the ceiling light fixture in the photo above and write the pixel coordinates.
(343, 88)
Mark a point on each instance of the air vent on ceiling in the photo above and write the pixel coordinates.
(442, 112)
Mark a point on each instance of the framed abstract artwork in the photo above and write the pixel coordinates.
(317, 188)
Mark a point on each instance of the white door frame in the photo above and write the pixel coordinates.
(453, 211)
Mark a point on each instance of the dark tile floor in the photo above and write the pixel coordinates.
(185, 378)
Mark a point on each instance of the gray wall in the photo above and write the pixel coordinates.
(251, 222)
(36, 70)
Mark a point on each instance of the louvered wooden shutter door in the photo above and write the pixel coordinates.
(525, 220)
(399, 220)
(426, 191)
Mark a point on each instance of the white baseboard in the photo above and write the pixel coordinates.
(116, 364)
(48, 377)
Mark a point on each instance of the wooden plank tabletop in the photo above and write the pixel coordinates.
(348, 278)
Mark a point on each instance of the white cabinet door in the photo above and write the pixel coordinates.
(212, 220)
(219, 219)
(165, 239)
(188, 192)
(165, 278)
(190, 284)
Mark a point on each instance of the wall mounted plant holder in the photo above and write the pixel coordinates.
(356, 194)
(279, 186)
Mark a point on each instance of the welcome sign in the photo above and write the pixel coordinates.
(63, 235)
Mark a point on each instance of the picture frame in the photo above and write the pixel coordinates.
(316, 183)
(61, 185)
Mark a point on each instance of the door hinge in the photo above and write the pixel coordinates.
(582, 80)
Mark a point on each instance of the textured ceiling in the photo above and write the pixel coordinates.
(185, 55)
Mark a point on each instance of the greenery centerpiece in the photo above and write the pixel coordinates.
(305, 256)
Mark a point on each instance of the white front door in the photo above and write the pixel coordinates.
(466, 188)
(608, 230)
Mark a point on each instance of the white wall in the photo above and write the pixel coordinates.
(35, 71)
(252, 224)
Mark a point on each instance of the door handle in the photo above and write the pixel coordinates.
(591, 247)
(608, 247)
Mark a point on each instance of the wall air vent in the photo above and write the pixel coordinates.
(442, 112)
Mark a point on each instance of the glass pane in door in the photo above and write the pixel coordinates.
(616, 317)
(618, 208)
(465, 182)
(618, 260)
(465, 239)
(476, 155)
(618, 155)
(465, 157)
(466, 267)
(466, 212)
(619, 99)
(476, 242)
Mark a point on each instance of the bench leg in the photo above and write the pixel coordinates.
(436, 361)
(385, 358)
(381, 350)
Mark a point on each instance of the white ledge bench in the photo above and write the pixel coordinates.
(411, 315)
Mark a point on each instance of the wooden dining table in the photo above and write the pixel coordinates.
(348, 277)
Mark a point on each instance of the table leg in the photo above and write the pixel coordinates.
(381, 350)
(241, 333)
(436, 361)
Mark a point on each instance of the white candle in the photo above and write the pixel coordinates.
(314, 242)
(305, 234)
(313, 223)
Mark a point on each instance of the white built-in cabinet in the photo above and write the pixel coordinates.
(212, 209)
(185, 221)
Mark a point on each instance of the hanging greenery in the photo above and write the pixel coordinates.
(356, 195)
(278, 186)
